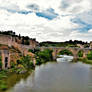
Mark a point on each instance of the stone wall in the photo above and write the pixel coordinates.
(12, 42)
(5, 39)
(91, 44)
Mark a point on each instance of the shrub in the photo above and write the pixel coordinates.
(67, 52)
(38, 61)
(34, 50)
(44, 56)
(0, 62)
(3, 87)
(89, 56)
(26, 61)
(12, 64)
(80, 53)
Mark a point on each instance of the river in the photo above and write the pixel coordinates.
(60, 76)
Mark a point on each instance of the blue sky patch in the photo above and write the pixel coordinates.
(48, 14)
(84, 27)
(24, 12)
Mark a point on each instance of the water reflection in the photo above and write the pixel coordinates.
(64, 58)
(57, 77)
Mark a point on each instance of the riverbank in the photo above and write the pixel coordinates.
(8, 79)
(85, 60)
(24, 65)
(5, 74)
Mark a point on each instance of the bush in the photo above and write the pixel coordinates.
(39, 61)
(89, 56)
(3, 86)
(12, 64)
(34, 50)
(26, 61)
(44, 56)
(67, 52)
(0, 62)
(80, 53)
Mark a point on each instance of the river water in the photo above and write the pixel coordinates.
(60, 76)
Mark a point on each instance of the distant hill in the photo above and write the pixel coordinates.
(69, 43)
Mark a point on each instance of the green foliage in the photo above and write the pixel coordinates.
(12, 64)
(38, 61)
(34, 50)
(27, 42)
(30, 50)
(65, 52)
(88, 61)
(44, 56)
(89, 56)
(62, 44)
(26, 61)
(10, 32)
(3, 75)
(0, 62)
(80, 53)
(3, 85)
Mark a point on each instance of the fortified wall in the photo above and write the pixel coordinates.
(15, 42)
(8, 42)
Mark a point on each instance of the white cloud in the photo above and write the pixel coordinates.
(60, 28)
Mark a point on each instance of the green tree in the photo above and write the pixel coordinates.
(65, 52)
(0, 62)
(80, 53)
(89, 56)
(44, 56)
(26, 61)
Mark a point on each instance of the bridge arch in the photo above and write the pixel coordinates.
(72, 50)
(65, 52)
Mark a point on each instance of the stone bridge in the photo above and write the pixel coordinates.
(74, 50)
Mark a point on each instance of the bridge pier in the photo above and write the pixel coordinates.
(75, 55)
(84, 55)
(75, 58)
(54, 55)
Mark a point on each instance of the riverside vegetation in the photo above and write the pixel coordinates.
(87, 60)
(23, 65)
(20, 67)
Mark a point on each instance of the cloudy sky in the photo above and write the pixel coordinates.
(48, 20)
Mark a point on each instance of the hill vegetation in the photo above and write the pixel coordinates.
(69, 43)
(25, 40)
